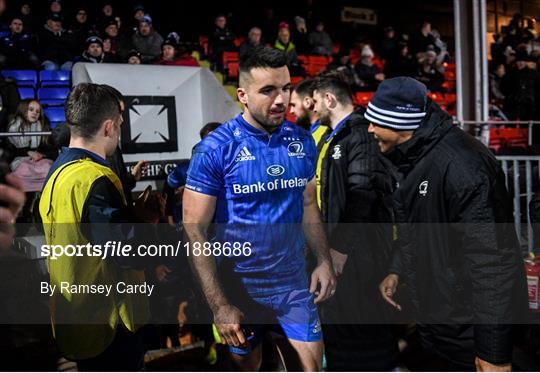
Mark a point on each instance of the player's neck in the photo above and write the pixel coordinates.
(79, 142)
(313, 118)
(254, 123)
(339, 114)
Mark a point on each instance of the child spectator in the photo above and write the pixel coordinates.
(173, 55)
(32, 155)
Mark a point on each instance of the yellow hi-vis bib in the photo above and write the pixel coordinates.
(84, 325)
(322, 148)
(319, 133)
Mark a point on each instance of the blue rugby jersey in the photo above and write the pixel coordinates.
(259, 182)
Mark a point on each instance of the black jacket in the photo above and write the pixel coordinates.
(356, 209)
(457, 247)
(355, 186)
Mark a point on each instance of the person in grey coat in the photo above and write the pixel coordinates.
(147, 40)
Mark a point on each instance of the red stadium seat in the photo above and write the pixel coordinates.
(303, 59)
(316, 64)
(232, 70)
(229, 57)
(437, 97)
(203, 42)
(238, 41)
(450, 97)
(450, 75)
(363, 98)
(296, 79)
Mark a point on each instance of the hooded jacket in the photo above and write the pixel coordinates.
(457, 248)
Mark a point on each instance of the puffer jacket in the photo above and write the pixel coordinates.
(457, 247)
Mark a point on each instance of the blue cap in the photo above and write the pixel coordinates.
(399, 104)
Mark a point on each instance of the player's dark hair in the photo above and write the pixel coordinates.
(305, 88)
(335, 84)
(262, 58)
(88, 106)
(207, 128)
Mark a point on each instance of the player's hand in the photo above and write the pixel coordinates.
(12, 200)
(338, 260)
(161, 272)
(388, 288)
(228, 319)
(138, 169)
(484, 366)
(324, 276)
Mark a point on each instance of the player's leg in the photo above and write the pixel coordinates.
(300, 356)
(250, 362)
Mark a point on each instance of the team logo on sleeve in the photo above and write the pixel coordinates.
(296, 149)
(244, 155)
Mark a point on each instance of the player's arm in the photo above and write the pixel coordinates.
(317, 241)
(198, 211)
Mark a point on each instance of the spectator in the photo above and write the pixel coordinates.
(110, 55)
(55, 45)
(429, 72)
(107, 14)
(369, 74)
(299, 36)
(17, 50)
(134, 58)
(12, 199)
(32, 155)
(283, 43)
(9, 99)
(253, 41)
(320, 41)
(56, 7)
(422, 39)
(133, 24)
(172, 55)
(521, 87)
(401, 63)
(342, 64)
(440, 47)
(147, 41)
(93, 52)
(30, 22)
(220, 40)
(497, 49)
(80, 29)
(495, 82)
(389, 43)
(120, 43)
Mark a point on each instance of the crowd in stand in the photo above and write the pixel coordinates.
(62, 38)
(514, 77)
(421, 55)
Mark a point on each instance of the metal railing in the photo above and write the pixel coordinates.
(513, 167)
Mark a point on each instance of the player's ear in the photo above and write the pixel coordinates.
(308, 103)
(108, 127)
(330, 100)
(242, 95)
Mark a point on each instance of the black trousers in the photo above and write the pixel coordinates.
(125, 353)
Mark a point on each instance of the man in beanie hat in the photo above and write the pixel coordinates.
(55, 44)
(456, 245)
(147, 41)
(93, 52)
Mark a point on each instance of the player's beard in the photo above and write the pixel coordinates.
(304, 121)
(266, 123)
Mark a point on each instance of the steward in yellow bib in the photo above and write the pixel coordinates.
(83, 202)
(354, 198)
